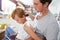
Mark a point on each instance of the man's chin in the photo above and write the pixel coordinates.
(38, 11)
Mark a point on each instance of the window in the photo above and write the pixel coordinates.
(0, 5)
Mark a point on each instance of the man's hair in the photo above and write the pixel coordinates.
(19, 12)
(44, 1)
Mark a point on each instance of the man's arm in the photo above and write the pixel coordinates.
(30, 38)
(30, 31)
(30, 15)
(15, 2)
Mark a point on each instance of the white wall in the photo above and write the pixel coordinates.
(55, 7)
(8, 6)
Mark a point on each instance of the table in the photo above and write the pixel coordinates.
(1, 34)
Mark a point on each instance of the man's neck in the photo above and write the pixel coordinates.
(44, 12)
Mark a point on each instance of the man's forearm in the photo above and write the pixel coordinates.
(31, 16)
(30, 31)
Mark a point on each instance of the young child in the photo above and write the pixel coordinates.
(19, 16)
(20, 29)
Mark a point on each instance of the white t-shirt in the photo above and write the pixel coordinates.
(22, 34)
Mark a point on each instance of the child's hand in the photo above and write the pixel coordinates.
(13, 34)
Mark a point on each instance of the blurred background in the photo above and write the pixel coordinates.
(7, 7)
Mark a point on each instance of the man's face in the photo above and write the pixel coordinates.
(38, 5)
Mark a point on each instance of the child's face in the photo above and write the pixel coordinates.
(20, 20)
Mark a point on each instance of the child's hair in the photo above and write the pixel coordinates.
(19, 12)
